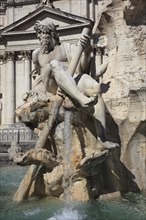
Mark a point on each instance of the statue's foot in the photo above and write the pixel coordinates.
(109, 145)
(88, 101)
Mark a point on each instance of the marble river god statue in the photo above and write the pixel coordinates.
(63, 84)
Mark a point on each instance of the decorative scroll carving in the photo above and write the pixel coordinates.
(10, 55)
(2, 59)
(26, 54)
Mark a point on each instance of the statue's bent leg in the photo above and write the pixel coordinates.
(67, 83)
(91, 87)
(99, 116)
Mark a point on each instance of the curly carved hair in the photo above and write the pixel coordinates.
(50, 29)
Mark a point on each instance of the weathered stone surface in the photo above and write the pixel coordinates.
(33, 112)
(125, 99)
(33, 156)
(110, 196)
(78, 190)
(88, 165)
(53, 181)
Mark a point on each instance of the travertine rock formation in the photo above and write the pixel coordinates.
(124, 23)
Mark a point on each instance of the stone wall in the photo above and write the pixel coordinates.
(126, 97)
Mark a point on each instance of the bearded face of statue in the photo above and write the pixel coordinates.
(47, 36)
(47, 42)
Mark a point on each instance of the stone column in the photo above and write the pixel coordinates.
(87, 9)
(96, 9)
(104, 55)
(70, 6)
(92, 10)
(0, 113)
(10, 88)
(98, 60)
(98, 57)
(27, 64)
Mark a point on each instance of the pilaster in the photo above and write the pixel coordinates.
(27, 69)
(10, 87)
(98, 56)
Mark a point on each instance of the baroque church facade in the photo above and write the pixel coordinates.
(18, 40)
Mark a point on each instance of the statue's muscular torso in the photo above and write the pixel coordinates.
(42, 61)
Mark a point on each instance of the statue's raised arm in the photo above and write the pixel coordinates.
(51, 60)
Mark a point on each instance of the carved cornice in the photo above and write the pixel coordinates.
(6, 3)
(21, 2)
(73, 21)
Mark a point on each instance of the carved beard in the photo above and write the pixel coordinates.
(47, 45)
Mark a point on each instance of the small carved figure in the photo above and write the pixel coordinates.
(46, 2)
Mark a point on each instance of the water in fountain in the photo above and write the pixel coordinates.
(68, 212)
(130, 207)
(68, 166)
